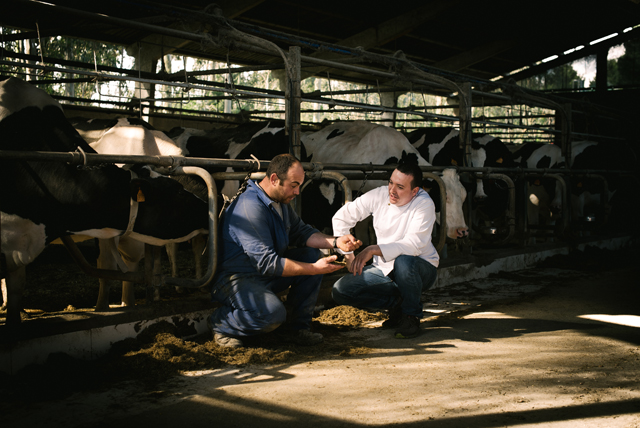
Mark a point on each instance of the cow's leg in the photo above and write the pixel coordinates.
(15, 283)
(106, 260)
(172, 254)
(3, 285)
(198, 244)
(132, 252)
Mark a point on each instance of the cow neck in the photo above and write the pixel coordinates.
(111, 243)
(133, 211)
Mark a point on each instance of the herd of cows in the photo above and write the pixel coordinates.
(125, 207)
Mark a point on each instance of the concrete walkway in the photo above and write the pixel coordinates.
(557, 346)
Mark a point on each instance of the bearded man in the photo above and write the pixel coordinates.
(265, 248)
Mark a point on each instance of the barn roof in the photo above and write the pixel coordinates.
(479, 39)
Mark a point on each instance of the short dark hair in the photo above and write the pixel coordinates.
(280, 165)
(412, 169)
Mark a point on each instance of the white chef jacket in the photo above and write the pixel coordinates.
(399, 230)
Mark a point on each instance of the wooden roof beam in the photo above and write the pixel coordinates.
(397, 26)
(468, 58)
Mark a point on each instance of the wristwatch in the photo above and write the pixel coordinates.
(335, 242)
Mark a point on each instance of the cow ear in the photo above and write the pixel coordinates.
(140, 196)
(140, 190)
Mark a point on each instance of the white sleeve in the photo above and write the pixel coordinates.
(353, 212)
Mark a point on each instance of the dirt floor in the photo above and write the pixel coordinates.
(558, 345)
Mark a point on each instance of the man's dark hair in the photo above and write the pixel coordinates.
(412, 169)
(280, 165)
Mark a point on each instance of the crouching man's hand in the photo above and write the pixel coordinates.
(348, 243)
(328, 264)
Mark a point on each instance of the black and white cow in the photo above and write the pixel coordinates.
(42, 201)
(544, 200)
(362, 142)
(440, 146)
(125, 136)
(262, 140)
(587, 201)
(344, 142)
(132, 136)
(544, 197)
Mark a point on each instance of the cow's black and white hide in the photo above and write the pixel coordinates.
(440, 146)
(260, 140)
(136, 137)
(42, 201)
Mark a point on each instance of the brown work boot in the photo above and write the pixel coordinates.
(227, 341)
(222, 339)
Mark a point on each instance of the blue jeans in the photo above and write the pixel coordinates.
(375, 290)
(250, 305)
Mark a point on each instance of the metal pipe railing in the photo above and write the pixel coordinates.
(350, 171)
(212, 242)
(78, 158)
(331, 175)
(212, 87)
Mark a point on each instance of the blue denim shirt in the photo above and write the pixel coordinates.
(253, 236)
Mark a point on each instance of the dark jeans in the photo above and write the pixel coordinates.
(250, 305)
(374, 290)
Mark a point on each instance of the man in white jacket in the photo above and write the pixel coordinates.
(404, 259)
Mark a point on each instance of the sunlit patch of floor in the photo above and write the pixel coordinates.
(628, 320)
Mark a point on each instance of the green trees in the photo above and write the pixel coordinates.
(625, 71)
(562, 77)
(68, 49)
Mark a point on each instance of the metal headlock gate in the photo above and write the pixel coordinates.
(338, 172)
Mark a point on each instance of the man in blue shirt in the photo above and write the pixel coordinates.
(265, 248)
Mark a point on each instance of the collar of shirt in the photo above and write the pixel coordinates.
(262, 195)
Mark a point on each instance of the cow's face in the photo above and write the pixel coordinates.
(400, 191)
(456, 195)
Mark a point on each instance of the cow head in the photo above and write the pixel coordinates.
(456, 195)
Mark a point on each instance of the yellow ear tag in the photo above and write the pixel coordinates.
(140, 196)
(453, 162)
(499, 160)
(537, 182)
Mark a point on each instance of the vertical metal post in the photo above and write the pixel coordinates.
(465, 122)
(293, 97)
(389, 99)
(566, 133)
(526, 233)
(465, 143)
(601, 71)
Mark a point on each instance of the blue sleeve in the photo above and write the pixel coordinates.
(299, 232)
(251, 227)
